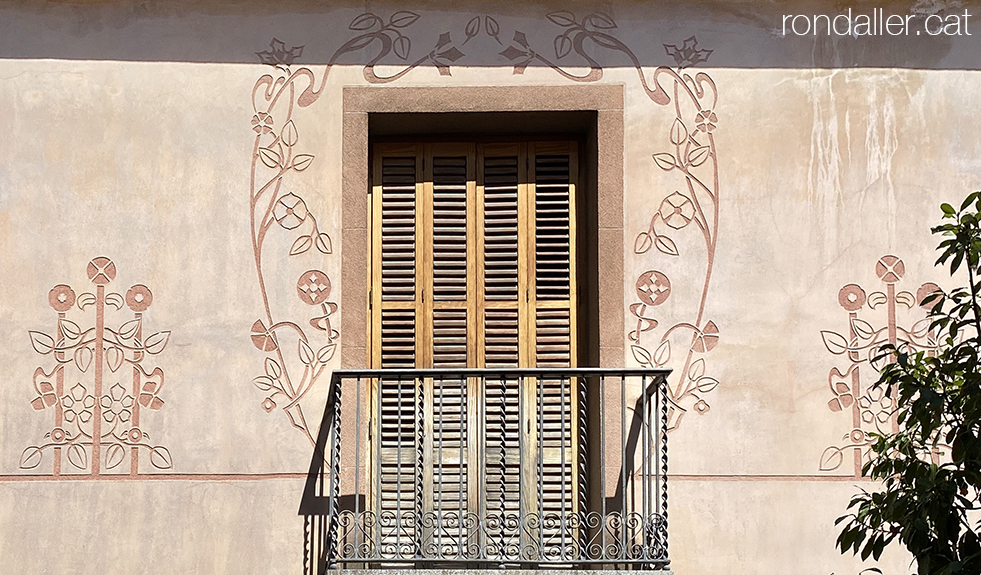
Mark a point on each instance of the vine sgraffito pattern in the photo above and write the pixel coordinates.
(690, 154)
(851, 385)
(100, 386)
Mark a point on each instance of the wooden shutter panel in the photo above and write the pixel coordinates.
(553, 317)
(474, 265)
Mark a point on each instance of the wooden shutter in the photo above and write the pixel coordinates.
(474, 265)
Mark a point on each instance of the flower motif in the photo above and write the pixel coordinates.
(890, 269)
(706, 120)
(268, 404)
(101, 271)
(701, 407)
(262, 338)
(653, 287)
(138, 298)
(78, 405)
(313, 287)
(61, 297)
(278, 54)
(117, 404)
(677, 210)
(706, 339)
(151, 387)
(262, 123)
(925, 291)
(688, 54)
(851, 297)
(290, 211)
(135, 435)
(876, 406)
(58, 435)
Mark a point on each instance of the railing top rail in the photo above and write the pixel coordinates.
(499, 372)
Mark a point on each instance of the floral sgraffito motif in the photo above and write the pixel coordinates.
(693, 97)
(277, 156)
(851, 384)
(99, 387)
(690, 153)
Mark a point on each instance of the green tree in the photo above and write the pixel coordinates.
(931, 469)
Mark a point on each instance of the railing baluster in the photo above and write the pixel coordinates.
(570, 532)
(356, 520)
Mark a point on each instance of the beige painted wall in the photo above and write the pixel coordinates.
(127, 133)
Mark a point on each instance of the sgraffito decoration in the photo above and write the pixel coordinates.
(858, 346)
(100, 386)
(689, 153)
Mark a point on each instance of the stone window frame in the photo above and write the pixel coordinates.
(605, 153)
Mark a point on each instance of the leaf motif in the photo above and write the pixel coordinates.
(157, 342)
(42, 342)
(643, 243)
(302, 244)
(564, 19)
(326, 353)
(863, 329)
(664, 160)
(831, 459)
(563, 45)
(114, 455)
(302, 162)
(272, 368)
(697, 369)
(83, 358)
(115, 300)
(323, 243)
(403, 18)
(114, 358)
(473, 27)
(906, 298)
(841, 388)
(835, 343)
(402, 45)
(599, 21)
(876, 299)
(160, 457)
(678, 133)
(263, 382)
(492, 27)
(129, 329)
(289, 134)
(270, 158)
(77, 456)
(662, 354)
(31, 457)
(306, 353)
(70, 329)
(642, 356)
(706, 384)
(85, 300)
(365, 21)
(697, 156)
(37, 403)
(922, 327)
(666, 245)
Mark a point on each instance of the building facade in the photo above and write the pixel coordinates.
(206, 209)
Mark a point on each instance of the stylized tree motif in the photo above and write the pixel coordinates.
(96, 403)
(872, 410)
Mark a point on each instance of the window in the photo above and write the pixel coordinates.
(473, 263)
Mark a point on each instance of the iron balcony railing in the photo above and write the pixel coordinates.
(490, 468)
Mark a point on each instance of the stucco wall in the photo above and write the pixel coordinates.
(140, 133)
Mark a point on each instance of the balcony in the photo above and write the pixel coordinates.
(490, 468)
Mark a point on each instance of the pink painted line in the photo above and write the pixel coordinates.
(155, 477)
(763, 477)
